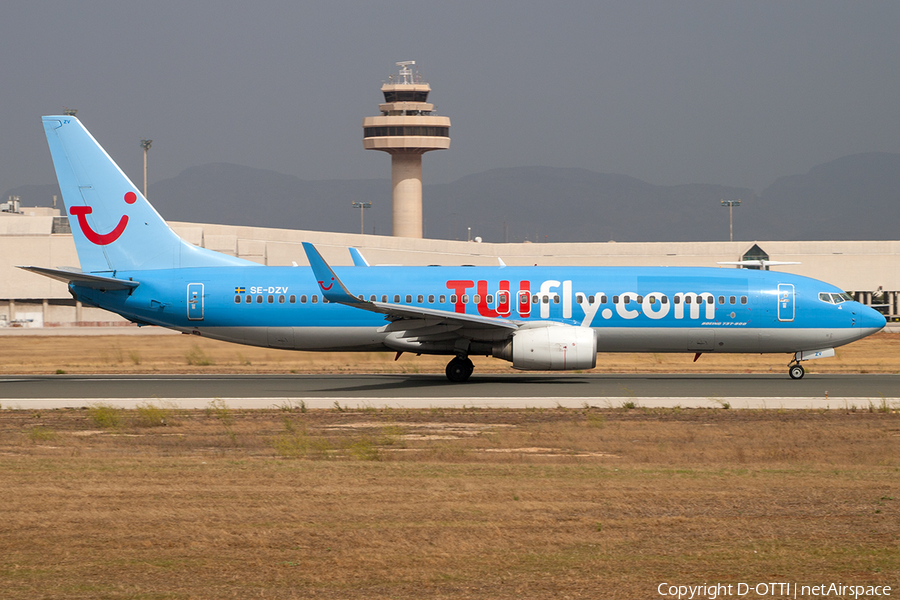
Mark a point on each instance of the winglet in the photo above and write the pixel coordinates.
(358, 259)
(333, 289)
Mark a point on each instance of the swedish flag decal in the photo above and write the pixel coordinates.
(239, 290)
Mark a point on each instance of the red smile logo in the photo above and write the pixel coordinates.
(101, 239)
(330, 285)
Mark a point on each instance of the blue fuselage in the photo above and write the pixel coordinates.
(653, 309)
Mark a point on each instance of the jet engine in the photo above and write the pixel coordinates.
(550, 348)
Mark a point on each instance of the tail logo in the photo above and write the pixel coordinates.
(101, 239)
(328, 287)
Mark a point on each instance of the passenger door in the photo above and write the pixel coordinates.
(195, 302)
(785, 302)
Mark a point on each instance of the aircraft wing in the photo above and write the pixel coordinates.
(97, 282)
(334, 290)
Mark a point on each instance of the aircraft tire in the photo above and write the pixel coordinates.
(796, 372)
(459, 370)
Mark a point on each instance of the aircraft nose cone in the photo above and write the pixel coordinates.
(869, 318)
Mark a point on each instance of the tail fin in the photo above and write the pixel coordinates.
(114, 227)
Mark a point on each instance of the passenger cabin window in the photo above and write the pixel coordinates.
(372, 298)
(453, 298)
(303, 299)
(709, 300)
(465, 299)
(270, 299)
(555, 299)
(384, 298)
(535, 299)
(292, 299)
(280, 299)
(477, 299)
(442, 299)
(732, 300)
(676, 300)
(396, 298)
(249, 299)
(430, 299)
(237, 299)
(314, 299)
(615, 299)
(420, 299)
(722, 300)
(490, 298)
(259, 299)
(409, 298)
(743, 299)
(664, 300)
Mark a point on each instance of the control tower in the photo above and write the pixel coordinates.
(406, 130)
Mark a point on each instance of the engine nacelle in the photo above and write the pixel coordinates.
(551, 348)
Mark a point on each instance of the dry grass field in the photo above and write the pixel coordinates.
(186, 353)
(219, 503)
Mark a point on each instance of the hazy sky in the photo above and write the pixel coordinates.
(672, 92)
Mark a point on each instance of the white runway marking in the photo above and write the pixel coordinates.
(787, 403)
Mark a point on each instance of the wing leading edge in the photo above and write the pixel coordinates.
(334, 290)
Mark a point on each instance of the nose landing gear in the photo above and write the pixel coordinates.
(459, 369)
(796, 371)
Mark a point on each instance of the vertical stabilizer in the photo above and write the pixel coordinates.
(114, 227)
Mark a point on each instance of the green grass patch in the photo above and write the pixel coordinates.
(105, 415)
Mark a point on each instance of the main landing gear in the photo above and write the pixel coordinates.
(459, 369)
(796, 371)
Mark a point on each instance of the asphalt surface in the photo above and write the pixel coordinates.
(424, 391)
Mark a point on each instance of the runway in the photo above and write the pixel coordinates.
(427, 391)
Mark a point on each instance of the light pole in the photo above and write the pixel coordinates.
(731, 204)
(145, 144)
(362, 206)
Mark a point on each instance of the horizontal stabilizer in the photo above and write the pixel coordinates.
(96, 282)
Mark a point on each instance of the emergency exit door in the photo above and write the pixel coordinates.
(195, 302)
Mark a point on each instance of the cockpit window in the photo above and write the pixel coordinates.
(834, 298)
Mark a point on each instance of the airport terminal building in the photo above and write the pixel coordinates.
(868, 270)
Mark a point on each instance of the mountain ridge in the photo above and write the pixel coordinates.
(846, 198)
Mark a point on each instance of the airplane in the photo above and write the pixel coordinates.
(538, 318)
